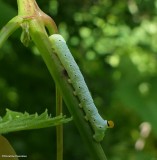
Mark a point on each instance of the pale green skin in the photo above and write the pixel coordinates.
(98, 124)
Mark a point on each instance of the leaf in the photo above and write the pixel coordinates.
(6, 150)
(17, 121)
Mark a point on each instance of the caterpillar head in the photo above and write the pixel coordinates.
(110, 124)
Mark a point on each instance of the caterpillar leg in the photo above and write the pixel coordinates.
(80, 105)
(75, 94)
(86, 118)
(98, 136)
(69, 81)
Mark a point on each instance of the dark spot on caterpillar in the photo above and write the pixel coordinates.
(70, 65)
(65, 55)
(100, 127)
(65, 73)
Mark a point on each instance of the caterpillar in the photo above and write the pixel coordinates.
(99, 125)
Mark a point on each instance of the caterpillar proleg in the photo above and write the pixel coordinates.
(99, 125)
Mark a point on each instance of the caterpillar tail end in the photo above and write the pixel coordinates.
(98, 138)
(110, 124)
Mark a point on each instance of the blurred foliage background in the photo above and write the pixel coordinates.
(115, 45)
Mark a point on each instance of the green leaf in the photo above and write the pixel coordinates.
(16, 121)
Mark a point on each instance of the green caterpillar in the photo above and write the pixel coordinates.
(99, 125)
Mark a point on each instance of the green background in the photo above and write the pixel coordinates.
(115, 46)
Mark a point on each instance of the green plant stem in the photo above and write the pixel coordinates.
(9, 28)
(59, 128)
